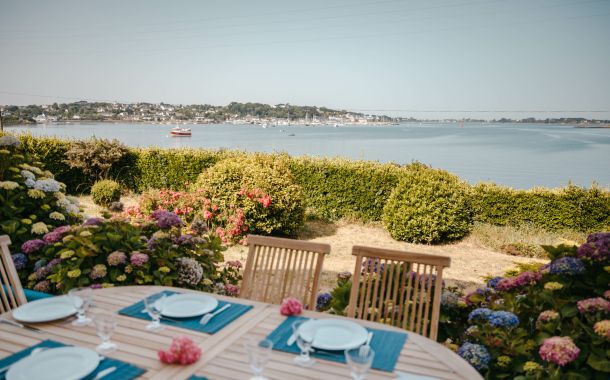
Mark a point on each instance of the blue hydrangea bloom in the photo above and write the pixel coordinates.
(323, 301)
(567, 266)
(475, 354)
(482, 313)
(493, 282)
(39, 264)
(503, 319)
(20, 260)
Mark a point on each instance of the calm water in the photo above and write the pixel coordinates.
(518, 155)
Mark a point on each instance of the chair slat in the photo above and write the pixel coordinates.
(277, 268)
(11, 292)
(399, 288)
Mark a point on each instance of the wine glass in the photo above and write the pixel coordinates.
(81, 299)
(154, 307)
(259, 353)
(105, 324)
(359, 361)
(304, 342)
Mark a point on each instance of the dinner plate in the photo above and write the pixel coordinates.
(188, 305)
(62, 363)
(334, 334)
(45, 310)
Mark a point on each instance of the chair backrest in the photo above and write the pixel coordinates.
(277, 268)
(398, 288)
(11, 292)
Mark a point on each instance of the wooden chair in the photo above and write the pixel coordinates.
(11, 292)
(277, 268)
(398, 288)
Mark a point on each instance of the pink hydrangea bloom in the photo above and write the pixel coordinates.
(116, 258)
(547, 316)
(291, 306)
(138, 259)
(525, 278)
(231, 290)
(559, 350)
(591, 305)
(607, 294)
(182, 351)
(235, 264)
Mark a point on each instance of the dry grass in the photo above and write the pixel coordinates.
(91, 209)
(523, 240)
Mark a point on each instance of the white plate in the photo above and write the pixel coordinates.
(188, 305)
(334, 334)
(62, 363)
(45, 310)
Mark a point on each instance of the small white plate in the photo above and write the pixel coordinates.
(188, 305)
(45, 310)
(62, 363)
(334, 334)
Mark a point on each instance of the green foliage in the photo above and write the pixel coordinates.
(572, 207)
(338, 188)
(32, 202)
(95, 157)
(254, 181)
(428, 206)
(105, 192)
(568, 298)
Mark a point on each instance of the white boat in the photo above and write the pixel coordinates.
(180, 132)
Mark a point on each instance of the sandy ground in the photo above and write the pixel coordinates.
(469, 260)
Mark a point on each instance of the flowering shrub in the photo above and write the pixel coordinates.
(552, 322)
(32, 203)
(262, 187)
(103, 252)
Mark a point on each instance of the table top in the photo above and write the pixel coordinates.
(223, 355)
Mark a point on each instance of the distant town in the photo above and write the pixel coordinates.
(234, 113)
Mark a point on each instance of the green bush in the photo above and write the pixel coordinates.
(253, 181)
(569, 208)
(428, 206)
(94, 156)
(338, 188)
(105, 192)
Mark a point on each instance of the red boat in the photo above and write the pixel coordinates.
(180, 132)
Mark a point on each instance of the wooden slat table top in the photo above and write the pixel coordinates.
(223, 354)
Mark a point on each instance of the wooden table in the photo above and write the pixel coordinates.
(223, 355)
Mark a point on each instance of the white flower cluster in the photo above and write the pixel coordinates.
(68, 206)
(47, 185)
(9, 141)
(28, 174)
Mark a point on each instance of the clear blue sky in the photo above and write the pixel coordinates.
(362, 54)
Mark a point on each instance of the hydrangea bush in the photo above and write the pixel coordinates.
(552, 322)
(32, 202)
(102, 253)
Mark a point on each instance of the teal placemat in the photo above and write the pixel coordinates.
(216, 324)
(124, 371)
(194, 377)
(386, 344)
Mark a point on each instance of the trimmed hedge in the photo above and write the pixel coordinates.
(336, 188)
(105, 192)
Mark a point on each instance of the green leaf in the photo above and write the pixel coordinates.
(568, 311)
(599, 363)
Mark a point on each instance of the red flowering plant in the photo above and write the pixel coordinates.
(549, 322)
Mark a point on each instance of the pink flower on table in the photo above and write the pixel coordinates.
(182, 351)
(559, 350)
(591, 305)
(291, 306)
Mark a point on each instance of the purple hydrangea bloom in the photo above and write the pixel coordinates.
(96, 286)
(323, 301)
(93, 221)
(166, 219)
(567, 266)
(597, 247)
(503, 319)
(52, 237)
(43, 286)
(20, 260)
(493, 282)
(62, 229)
(481, 313)
(54, 262)
(32, 245)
